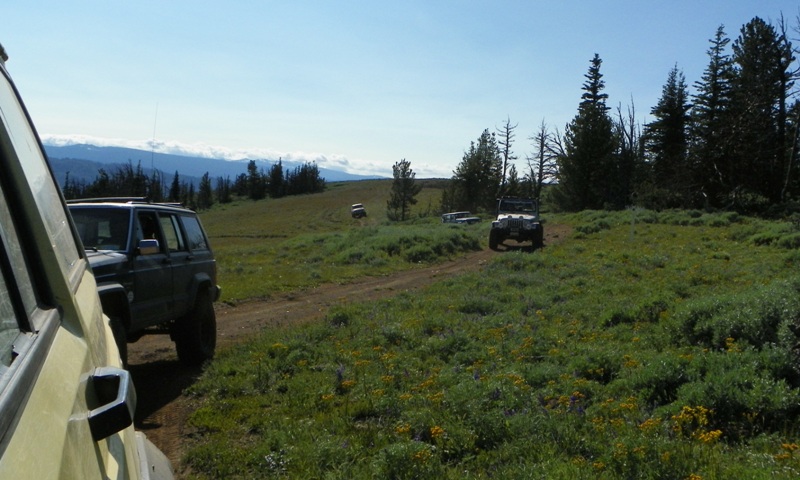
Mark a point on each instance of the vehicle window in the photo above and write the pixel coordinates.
(16, 286)
(148, 228)
(102, 228)
(194, 234)
(172, 232)
(8, 325)
(25, 144)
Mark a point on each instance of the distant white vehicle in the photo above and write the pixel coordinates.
(357, 210)
(460, 217)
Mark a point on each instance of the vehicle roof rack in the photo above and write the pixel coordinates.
(129, 200)
(109, 200)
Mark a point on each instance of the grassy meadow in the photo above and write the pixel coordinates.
(266, 247)
(645, 345)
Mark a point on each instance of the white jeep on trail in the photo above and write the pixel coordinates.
(517, 219)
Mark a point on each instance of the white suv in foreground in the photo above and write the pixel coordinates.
(66, 404)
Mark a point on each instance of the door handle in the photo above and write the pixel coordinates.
(114, 402)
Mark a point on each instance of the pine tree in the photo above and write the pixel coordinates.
(175, 189)
(223, 190)
(155, 190)
(587, 171)
(759, 90)
(403, 193)
(594, 85)
(478, 177)
(277, 188)
(256, 186)
(712, 139)
(513, 186)
(667, 141)
(205, 196)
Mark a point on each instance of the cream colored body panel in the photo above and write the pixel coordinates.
(66, 404)
(57, 442)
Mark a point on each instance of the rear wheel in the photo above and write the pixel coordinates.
(196, 333)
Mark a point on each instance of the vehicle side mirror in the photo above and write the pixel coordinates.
(148, 247)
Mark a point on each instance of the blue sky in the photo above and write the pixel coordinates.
(352, 85)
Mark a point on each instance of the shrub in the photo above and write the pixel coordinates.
(753, 318)
(742, 400)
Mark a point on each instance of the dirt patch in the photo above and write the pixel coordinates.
(160, 379)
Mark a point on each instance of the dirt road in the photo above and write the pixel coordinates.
(160, 379)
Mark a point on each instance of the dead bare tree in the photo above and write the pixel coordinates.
(543, 164)
(506, 139)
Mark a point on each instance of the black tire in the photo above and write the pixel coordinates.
(493, 240)
(538, 241)
(196, 333)
(120, 338)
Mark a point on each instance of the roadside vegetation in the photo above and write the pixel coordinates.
(646, 345)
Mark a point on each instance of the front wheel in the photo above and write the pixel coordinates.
(538, 239)
(493, 239)
(196, 333)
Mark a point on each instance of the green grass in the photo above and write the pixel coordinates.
(266, 247)
(647, 345)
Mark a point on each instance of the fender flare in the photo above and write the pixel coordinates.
(114, 299)
(203, 280)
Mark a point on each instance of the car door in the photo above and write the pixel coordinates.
(53, 338)
(182, 261)
(199, 262)
(153, 289)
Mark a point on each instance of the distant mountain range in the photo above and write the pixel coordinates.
(82, 163)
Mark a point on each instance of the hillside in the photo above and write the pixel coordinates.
(83, 161)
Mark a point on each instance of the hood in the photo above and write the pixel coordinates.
(103, 258)
(522, 216)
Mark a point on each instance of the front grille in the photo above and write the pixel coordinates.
(515, 223)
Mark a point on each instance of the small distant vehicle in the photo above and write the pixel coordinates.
(460, 218)
(357, 210)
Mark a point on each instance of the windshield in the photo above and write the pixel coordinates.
(518, 206)
(102, 228)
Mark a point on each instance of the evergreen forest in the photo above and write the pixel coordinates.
(728, 143)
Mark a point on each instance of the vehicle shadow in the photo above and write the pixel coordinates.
(158, 384)
(520, 247)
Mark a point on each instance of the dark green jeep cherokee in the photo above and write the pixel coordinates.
(155, 272)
